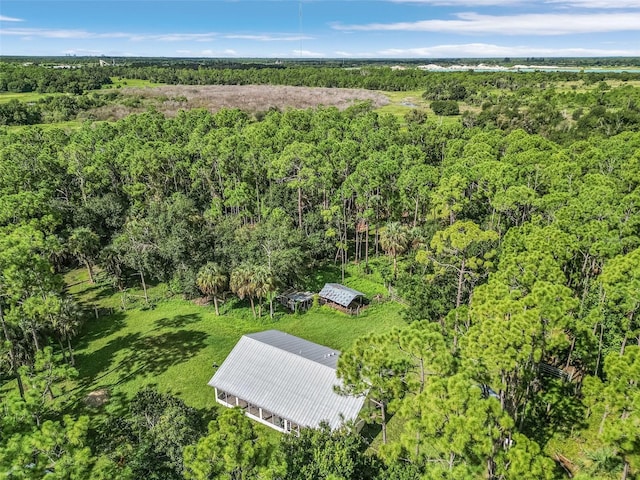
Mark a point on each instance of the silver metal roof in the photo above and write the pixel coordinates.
(289, 376)
(339, 294)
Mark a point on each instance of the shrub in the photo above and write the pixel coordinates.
(445, 107)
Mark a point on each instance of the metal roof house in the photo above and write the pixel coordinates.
(284, 381)
(341, 297)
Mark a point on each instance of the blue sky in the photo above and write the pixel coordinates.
(321, 28)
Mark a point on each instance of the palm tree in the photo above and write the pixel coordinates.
(211, 280)
(242, 284)
(67, 322)
(263, 286)
(113, 265)
(393, 240)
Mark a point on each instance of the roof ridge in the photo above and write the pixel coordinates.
(299, 355)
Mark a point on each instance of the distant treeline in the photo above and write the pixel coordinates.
(33, 78)
(327, 62)
(373, 78)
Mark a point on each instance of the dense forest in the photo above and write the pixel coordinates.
(512, 232)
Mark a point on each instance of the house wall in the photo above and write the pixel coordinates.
(256, 413)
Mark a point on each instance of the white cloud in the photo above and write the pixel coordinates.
(526, 24)
(604, 4)
(4, 18)
(307, 53)
(161, 37)
(344, 54)
(218, 53)
(461, 3)
(82, 51)
(60, 33)
(176, 37)
(269, 38)
(484, 50)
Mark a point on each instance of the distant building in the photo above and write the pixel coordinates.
(296, 301)
(341, 297)
(284, 382)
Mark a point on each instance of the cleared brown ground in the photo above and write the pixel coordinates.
(170, 99)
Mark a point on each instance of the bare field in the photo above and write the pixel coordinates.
(169, 99)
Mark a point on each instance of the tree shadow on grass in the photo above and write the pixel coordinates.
(143, 355)
(177, 321)
(100, 327)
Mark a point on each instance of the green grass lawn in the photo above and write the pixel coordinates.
(403, 102)
(24, 97)
(174, 345)
(67, 126)
(118, 82)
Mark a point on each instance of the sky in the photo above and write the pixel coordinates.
(321, 28)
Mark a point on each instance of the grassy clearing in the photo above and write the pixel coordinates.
(175, 344)
(402, 103)
(118, 82)
(67, 126)
(6, 97)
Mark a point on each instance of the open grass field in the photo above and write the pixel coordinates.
(67, 126)
(119, 82)
(175, 344)
(35, 96)
(401, 103)
(24, 97)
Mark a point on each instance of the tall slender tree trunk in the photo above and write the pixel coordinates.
(271, 306)
(62, 349)
(384, 423)
(253, 307)
(395, 266)
(599, 350)
(366, 248)
(144, 287)
(573, 344)
(300, 208)
(12, 354)
(215, 304)
(34, 335)
(376, 238)
(123, 300)
(625, 470)
(90, 271)
(460, 280)
(345, 231)
(415, 212)
(604, 418)
(258, 201)
(73, 360)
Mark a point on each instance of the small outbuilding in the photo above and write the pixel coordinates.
(343, 298)
(296, 301)
(284, 382)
